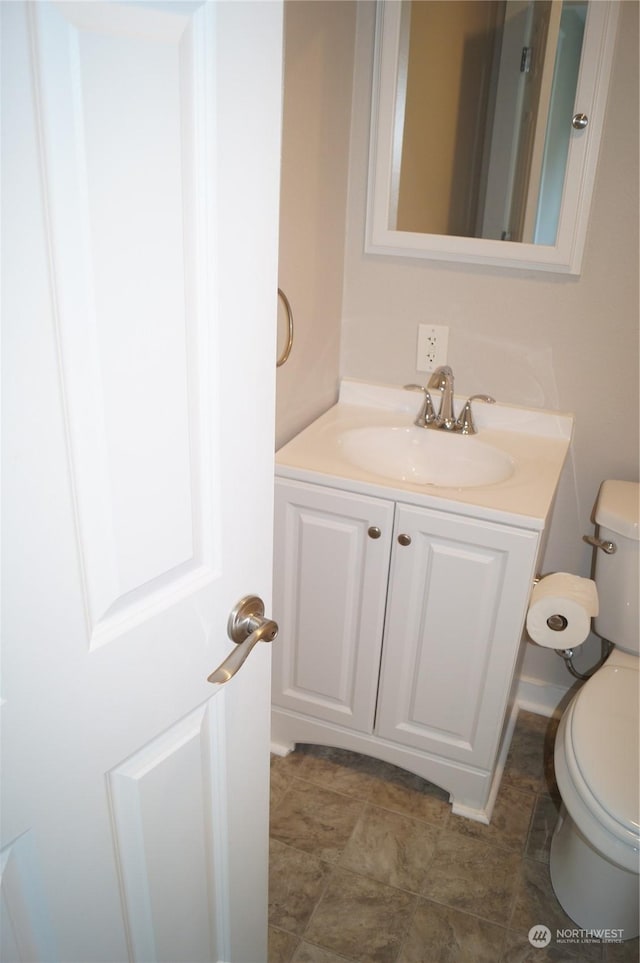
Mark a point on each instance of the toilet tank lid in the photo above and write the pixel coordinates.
(618, 508)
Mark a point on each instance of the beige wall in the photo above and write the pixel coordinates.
(319, 40)
(524, 337)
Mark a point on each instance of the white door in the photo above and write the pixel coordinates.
(140, 203)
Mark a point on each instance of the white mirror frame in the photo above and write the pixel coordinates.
(591, 98)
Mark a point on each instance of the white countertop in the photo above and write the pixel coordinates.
(536, 440)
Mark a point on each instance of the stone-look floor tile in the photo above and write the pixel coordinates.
(315, 820)
(337, 769)
(509, 825)
(478, 872)
(361, 919)
(439, 934)
(473, 876)
(315, 954)
(536, 904)
(404, 792)
(548, 749)
(545, 817)
(282, 946)
(518, 949)
(627, 952)
(525, 768)
(296, 883)
(281, 778)
(391, 848)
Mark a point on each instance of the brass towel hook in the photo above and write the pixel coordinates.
(287, 349)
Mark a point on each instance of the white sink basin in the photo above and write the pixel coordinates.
(423, 456)
(367, 444)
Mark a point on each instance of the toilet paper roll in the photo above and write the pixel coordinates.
(560, 611)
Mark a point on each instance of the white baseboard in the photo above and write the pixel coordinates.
(542, 698)
(280, 749)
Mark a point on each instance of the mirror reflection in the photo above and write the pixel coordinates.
(483, 109)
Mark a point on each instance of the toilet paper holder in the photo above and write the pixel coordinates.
(558, 623)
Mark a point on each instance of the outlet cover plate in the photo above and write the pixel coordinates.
(433, 340)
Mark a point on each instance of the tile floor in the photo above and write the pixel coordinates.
(368, 864)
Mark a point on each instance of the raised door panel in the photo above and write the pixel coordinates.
(457, 599)
(26, 931)
(329, 599)
(122, 102)
(168, 820)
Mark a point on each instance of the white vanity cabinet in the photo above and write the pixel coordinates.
(330, 589)
(401, 601)
(457, 599)
(400, 627)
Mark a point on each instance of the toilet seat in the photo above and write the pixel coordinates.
(601, 750)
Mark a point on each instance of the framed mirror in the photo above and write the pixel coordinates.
(486, 124)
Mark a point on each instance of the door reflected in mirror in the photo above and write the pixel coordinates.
(483, 108)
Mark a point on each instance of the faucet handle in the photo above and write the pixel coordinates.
(427, 413)
(465, 423)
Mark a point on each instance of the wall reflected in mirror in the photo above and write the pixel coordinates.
(484, 102)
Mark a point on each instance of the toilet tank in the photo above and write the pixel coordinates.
(617, 575)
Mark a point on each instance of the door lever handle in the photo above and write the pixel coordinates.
(246, 627)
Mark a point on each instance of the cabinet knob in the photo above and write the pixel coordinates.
(374, 532)
(404, 539)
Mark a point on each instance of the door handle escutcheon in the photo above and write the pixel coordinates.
(246, 627)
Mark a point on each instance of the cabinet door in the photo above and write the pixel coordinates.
(457, 599)
(330, 581)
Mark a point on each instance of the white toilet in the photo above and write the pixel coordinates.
(595, 848)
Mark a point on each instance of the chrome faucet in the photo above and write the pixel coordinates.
(442, 380)
(465, 423)
(426, 416)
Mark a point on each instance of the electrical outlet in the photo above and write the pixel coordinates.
(432, 346)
